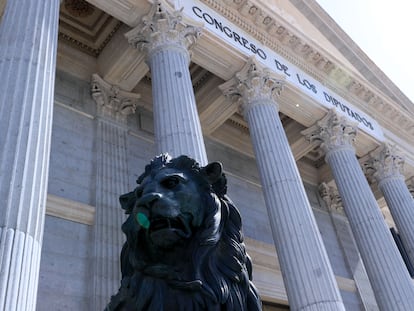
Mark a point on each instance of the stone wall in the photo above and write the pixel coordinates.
(64, 281)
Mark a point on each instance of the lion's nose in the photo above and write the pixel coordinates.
(147, 200)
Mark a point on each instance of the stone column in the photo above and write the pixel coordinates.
(167, 40)
(28, 45)
(388, 171)
(389, 278)
(347, 241)
(307, 274)
(113, 107)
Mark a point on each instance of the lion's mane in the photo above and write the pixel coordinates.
(220, 269)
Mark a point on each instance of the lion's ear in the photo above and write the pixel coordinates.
(213, 171)
(127, 201)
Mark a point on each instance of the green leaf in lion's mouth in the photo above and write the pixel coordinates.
(143, 220)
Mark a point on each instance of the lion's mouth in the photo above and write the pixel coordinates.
(164, 223)
(167, 231)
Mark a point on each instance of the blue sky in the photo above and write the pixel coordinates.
(383, 30)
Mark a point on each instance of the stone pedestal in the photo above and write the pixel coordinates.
(167, 40)
(113, 107)
(389, 277)
(307, 274)
(28, 45)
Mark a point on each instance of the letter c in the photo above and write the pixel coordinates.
(197, 9)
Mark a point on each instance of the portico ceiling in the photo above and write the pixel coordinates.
(86, 27)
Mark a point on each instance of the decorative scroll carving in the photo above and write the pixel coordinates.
(160, 28)
(332, 198)
(112, 101)
(385, 162)
(253, 85)
(333, 131)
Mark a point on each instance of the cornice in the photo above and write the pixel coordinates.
(276, 33)
(320, 19)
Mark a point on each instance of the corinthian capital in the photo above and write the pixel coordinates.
(332, 198)
(161, 28)
(386, 162)
(113, 102)
(333, 131)
(253, 85)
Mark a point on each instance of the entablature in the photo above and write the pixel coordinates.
(275, 32)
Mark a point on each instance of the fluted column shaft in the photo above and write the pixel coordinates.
(28, 44)
(388, 167)
(307, 274)
(113, 106)
(112, 181)
(389, 278)
(176, 121)
(401, 205)
(347, 241)
(305, 266)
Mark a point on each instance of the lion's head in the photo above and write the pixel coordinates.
(184, 248)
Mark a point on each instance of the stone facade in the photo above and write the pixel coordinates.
(240, 82)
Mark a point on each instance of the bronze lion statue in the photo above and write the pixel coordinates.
(184, 248)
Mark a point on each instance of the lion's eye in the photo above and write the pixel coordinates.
(170, 182)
